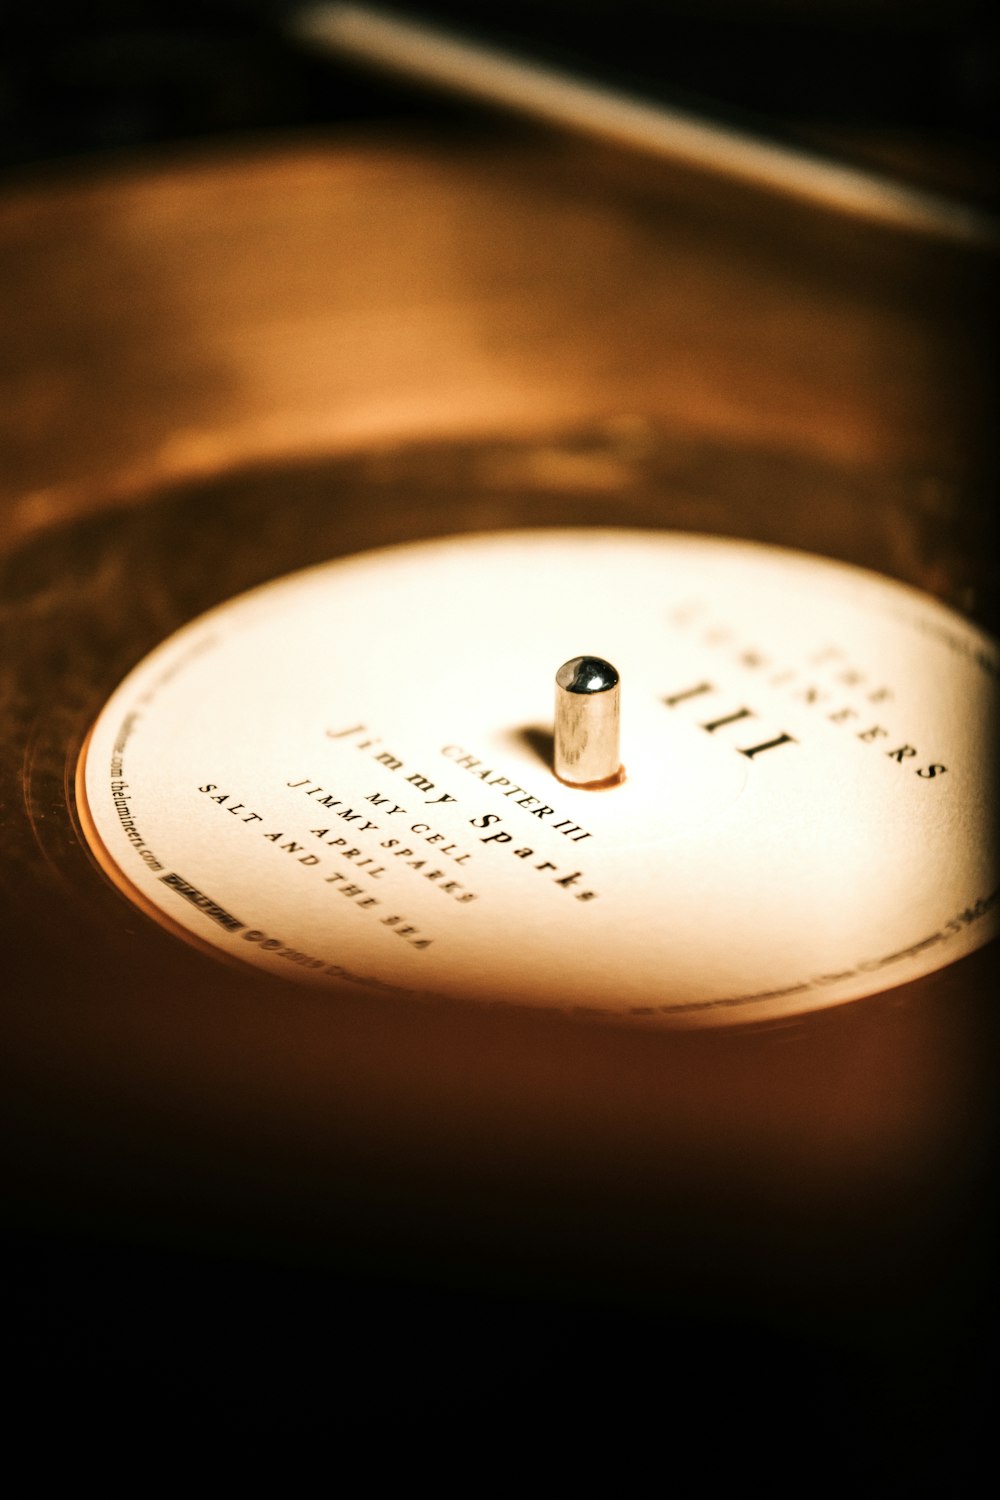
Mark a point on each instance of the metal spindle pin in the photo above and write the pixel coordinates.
(587, 723)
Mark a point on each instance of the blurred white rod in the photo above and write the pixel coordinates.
(436, 57)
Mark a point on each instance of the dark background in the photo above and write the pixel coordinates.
(911, 85)
(116, 1343)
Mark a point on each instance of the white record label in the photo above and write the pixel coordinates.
(345, 776)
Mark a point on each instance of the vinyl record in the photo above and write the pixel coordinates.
(225, 372)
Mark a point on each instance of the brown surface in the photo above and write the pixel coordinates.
(181, 319)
